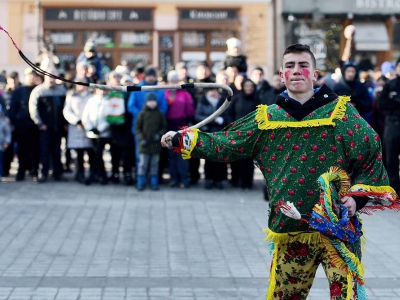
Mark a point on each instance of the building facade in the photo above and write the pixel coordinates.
(158, 33)
(321, 24)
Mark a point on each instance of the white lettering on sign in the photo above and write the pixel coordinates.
(378, 4)
(114, 15)
(208, 15)
(62, 38)
(62, 15)
(133, 15)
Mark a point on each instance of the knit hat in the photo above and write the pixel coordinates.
(90, 46)
(233, 42)
(151, 72)
(387, 67)
(151, 97)
(348, 64)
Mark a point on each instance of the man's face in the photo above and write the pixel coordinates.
(115, 80)
(12, 82)
(276, 82)
(150, 79)
(350, 74)
(298, 73)
(182, 72)
(256, 76)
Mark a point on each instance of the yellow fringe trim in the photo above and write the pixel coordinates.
(328, 177)
(349, 287)
(272, 278)
(338, 261)
(264, 123)
(345, 180)
(333, 254)
(187, 154)
(377, 189)
(298, 236)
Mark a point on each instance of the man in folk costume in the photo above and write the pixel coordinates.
(323, 166)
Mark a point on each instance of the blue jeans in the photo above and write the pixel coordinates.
(178, 168)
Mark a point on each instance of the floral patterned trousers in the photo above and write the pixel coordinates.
(293, 270)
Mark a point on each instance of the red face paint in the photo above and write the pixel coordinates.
(305, 73)
(287, 74)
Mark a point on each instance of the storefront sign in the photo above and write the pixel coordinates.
(101, 38)
(208, 14)
(136, 57)
(63, 38)
(378, 4)
(98, 15)
(132, 39)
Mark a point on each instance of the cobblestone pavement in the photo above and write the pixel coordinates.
(65, 241)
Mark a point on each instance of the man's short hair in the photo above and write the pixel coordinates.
(259, 69)
(300, 48)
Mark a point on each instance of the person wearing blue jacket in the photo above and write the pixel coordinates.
(137, 101)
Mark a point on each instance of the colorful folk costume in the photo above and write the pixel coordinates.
(310, 157)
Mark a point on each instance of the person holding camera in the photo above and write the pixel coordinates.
(389, 105)
(150, 125)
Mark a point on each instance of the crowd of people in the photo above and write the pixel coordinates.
(38, 113)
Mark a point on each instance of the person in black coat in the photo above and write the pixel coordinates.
(262, 86)
(25, 130)
(246, 101)
(234, 56)
(215, 172)
(350, 85)
(389, 105)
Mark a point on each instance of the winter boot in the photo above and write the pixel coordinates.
(141, 182)
(154, 182)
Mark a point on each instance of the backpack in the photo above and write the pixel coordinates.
(115, 109)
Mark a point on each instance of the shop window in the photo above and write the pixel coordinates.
(193, 39)
(166, 43)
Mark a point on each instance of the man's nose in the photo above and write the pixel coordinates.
(296, 69)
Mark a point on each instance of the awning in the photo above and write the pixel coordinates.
(371, 36)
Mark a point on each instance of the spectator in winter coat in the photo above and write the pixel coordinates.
(98, 129)
(137, 101)
(46, 104)
(262, 86)
(350, 85)
(234, 56)
(90, 56)
(180, 113)
(25, 130)
(151, 124)
(75, 104)
(242, 171)
(215, 172)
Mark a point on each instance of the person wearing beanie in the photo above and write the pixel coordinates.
(389, 105)
(151, 124)
(136, 103)
(89, 55)
(234, 56)
(350, 85)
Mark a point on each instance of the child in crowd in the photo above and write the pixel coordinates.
(151, 123)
